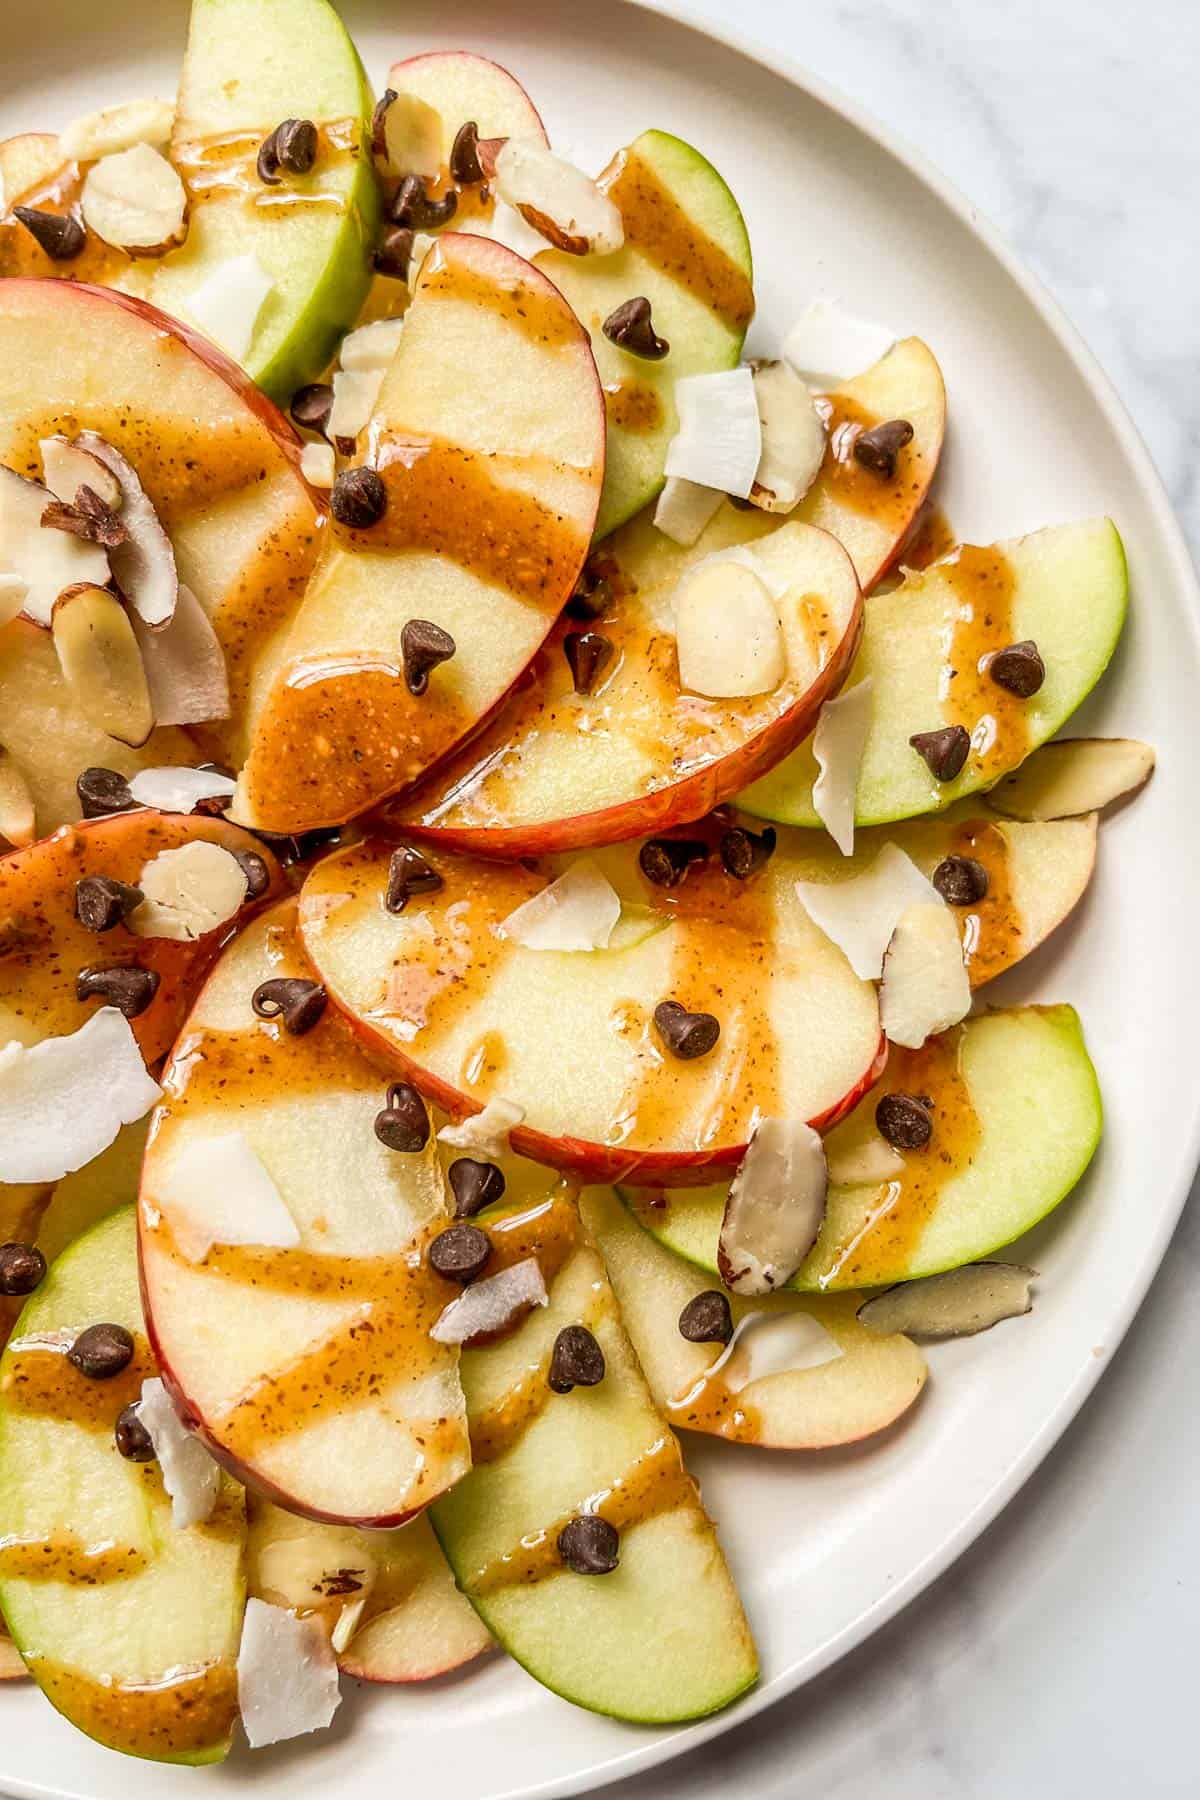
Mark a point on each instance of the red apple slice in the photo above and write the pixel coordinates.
(488, 513)
(308, 1369)
(558, 770)
(571, 1037)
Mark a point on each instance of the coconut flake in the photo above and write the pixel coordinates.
(793, 438)
(827, 343)
(355, 392)
(492, 1305)
(576, 912)
(728, 638)
(64, 1100)
(860, 913)
(185, 665)
(1074, 776)
(189, 891)
(956, 1304)
(44, 560)
(765, 1344)
(219, 1192)
(226, 305)
(841, 736)
(775, 1207)
(684, 509)
(116, 128)
(558, 199)
(372, 346)
(179, 790)
(66, 468)
(487, 1130)
(287, 1675)
(925, 986)
(134, 199)
(318, 465)
(144, 565)
(189, 1474)
(719, 441)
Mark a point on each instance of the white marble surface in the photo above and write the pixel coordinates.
(1058, 1657)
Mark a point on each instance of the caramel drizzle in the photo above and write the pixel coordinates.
(184, 1711)
(215, 168)
(662, 231)
(502, 1425)
(39, 1381)
(983, 583)
(21, 254)
(533, 310)
(633, 405)
(66, 1557)
(845, 482)
(992, 929)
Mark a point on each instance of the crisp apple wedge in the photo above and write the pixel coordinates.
(1016, 1118)
(661, 1636)
(557, 770)
(308, 1366)
(927, 647)
(81, 1200)
(129, 1625)
(486, 518)
(867, 1383)
(570, 1037)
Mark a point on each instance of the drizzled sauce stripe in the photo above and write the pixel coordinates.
(659, 227)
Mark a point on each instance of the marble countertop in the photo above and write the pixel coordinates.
(1057, 1657)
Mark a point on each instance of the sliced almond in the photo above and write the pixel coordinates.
(775, 1207)
(188, 892)
(220, 1192)
(134, 200)
(179, 790)
(411, 137)
(492, 1306)
(64, 1101)
(66, 467)
(576, 912)
(17, 820)
(956, 1304)
(318, 465)
(355, 392)
(185, 664)
(925, 987)
(102, 664)
(719, 440)
(793, 438)
(1075, 776)
(189, 1474)
(45, 560)
(506, 226)
(116, 128)
(684, 509)
(860, 915)
(843, 726)
(144, 565)
(487, 1131)
(372, 346)
(228, 302)
(558, 199)
(727, 632)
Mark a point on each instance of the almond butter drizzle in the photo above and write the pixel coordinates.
(40, 1381)
(933, 538)
(665, 234)
(633, 405)
(502, 1425)
(983, 582)
(186, 1711)
(992, 929)
(847, 483)
(218, 168)
(21, 254)
(65, 1557)
(537, 313)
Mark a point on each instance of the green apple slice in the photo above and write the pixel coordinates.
(81, 1200)
(661, 1638)
(866, 1388)
(1015, 1105)
(129, 1626)
(925, 648)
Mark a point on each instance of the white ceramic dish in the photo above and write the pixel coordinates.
(824, 1548)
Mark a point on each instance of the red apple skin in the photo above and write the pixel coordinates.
(362, 1672)
(412, 64)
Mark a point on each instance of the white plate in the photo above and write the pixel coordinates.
(825, 1548)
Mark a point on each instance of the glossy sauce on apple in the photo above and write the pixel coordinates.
(846, 483)
(225, 166)
(633, 405)
(530, 308)
(40, 1381)
(21, 254)
(992, 929)
(659, 228)
(66, 1557)
(188, 1711)
(982, 584)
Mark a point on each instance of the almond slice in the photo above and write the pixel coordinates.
(116, 128)
(719, 440)
(45, 560)
(102, 664)
(576, 912)
(287, 1674)
(827, 343)
(185, 664)
(684, 509)
(925, 987)
(558, 199)
(793, 438)
(226, 305)
(179, 790)
(372, 346)
(66, 468)
(956, 1304)
(355, 392)
(506, 226)
(487, 1131)
(134, 200)
(144, 565)
(1074, 776)
(408, 137)
(188, 892)
(64, 1101)
(189, 1474)
(841, 736)
(775, 1207)
(493, 1305)
(17, 820)
(220, 1192)
(728, 637)
(860, 915)
(318, 465)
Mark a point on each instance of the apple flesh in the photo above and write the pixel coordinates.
(82, 1199)
(108, 1653)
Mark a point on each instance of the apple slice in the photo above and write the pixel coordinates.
(81, 1200)
(1016, 1118)
(1073, 776)
(927, 647)
(485, 523)
(661, 1636)
(558, 770)
(571, 1037)
(864, 1389)
(129, 1625)
(308, 1368)
(388, 1598)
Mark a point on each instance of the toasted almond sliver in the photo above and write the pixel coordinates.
(925, 986)
(775, 1207)
(355, 392)
(793, 438)
(17, 824)
(728, 637)
(14, 591)
(144, 565)
(558, 199)
(102, 664)
(956, 1304)
(1071, 777)
(189, 891)
(318, 465)
(67, 467)
(45, 560)
(134, 200)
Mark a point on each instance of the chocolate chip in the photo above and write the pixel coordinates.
(904, 1121)
(103, 791)
(409, 873)
(465, 167)
(745, 852)
(576, 1360)
(474, 1185)
(291, 146)
(960, 880)
(1019, 669)
(686, 1035)
(460, 1253)
(87, 518)
(101, 1352)
(132, 1439)
(22, 1268)
(706, 1319)
(379, 122)
(125, 986)
(589, 1545)
(258, 876)
(665, 861)
(944, 750)
(414, 207)
(395, 252)
(423, 645)
(102, 902)
(589, 654)
(312, 405)
(404, 1122)
(878, 448)
(358, 498)
(60, 235)
(299, 1003)
(593, 596)
(631, 328)
(292, 848)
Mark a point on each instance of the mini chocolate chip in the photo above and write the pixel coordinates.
(706, 1319)
(423, 645)
(686, 1035)
(474, 1185)
(22, 1267)
(102, 902)
(87, 517)
(460, 1253)
(101, 1352)
(409, 873)
(904, 1121)
(464, 155)
(404, 1122)
(258, 876)
(125, 986)
(631, 328)
(312, 405)
(576, 1360)
(878, 448)
(589, 1545)
(1019, 669)
(60, 235)
(944, 751)
(299, 1003)
(358, 498)
(395, 252)
(961, 880)
(291, 146)
(592, 597)
(133, 1441)
(414, 207)
(103, 791)
(745, 852)
(665, 861)
(379, 122)
(589, 654)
